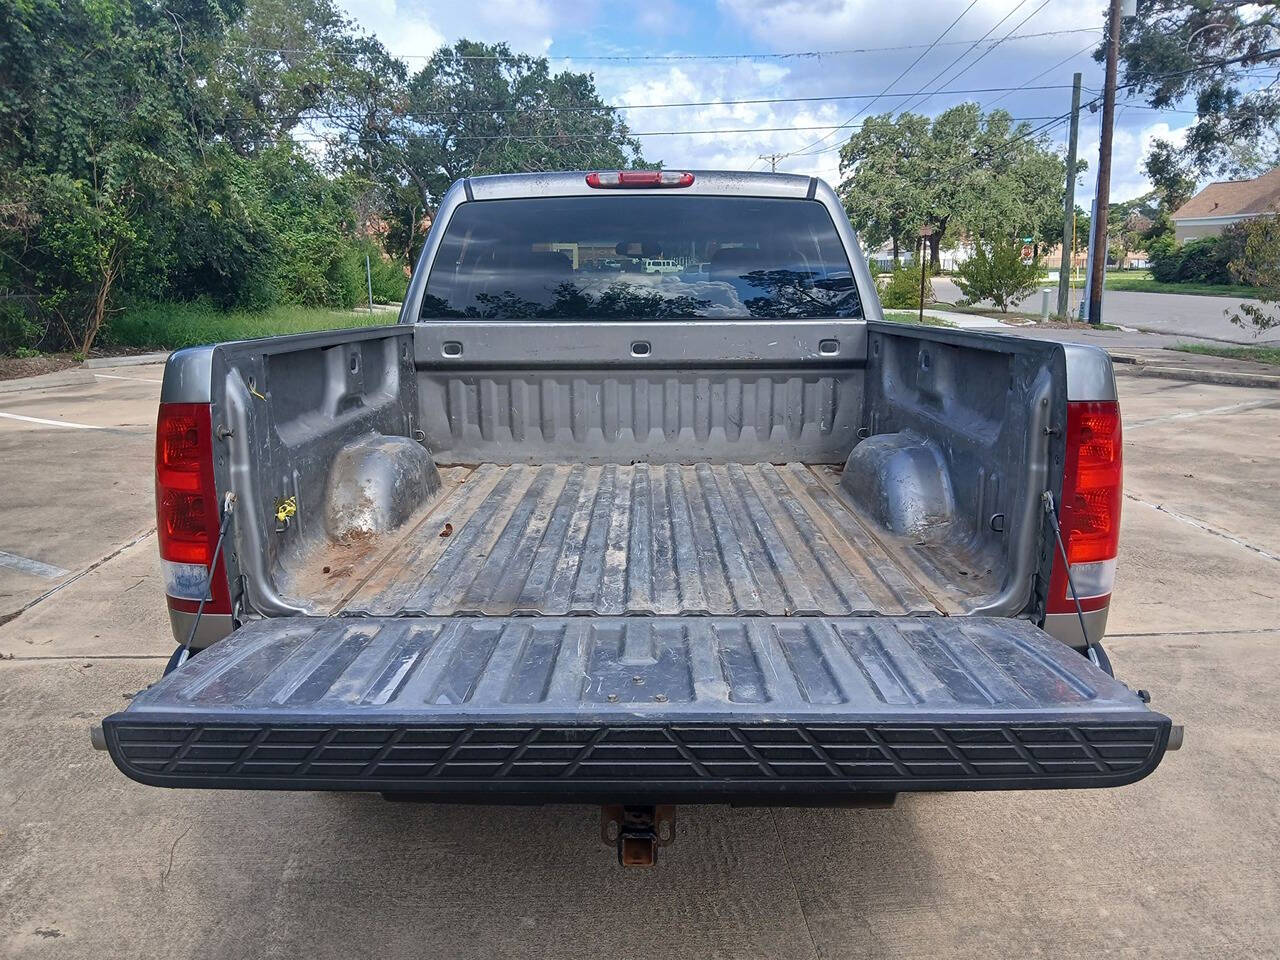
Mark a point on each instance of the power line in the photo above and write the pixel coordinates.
(672, 57)
(973, 63)
(892, 83)
(1066, 59)
(567, 135)
(566, 108)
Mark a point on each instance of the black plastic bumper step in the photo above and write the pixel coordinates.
(784, 710)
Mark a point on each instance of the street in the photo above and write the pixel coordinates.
(1181, 314)
(1183, 864)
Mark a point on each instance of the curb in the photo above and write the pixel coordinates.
(1128, 367)
(59, 378)
(136, 360)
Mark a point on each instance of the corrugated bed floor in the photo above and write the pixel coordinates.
(730, 540)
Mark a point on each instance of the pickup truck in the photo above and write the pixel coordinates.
(579, 534)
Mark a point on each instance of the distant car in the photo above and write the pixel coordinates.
(697, 270)
(661, 266)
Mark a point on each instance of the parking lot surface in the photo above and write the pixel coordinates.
(1183, 864)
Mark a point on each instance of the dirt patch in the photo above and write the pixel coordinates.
(12, 368)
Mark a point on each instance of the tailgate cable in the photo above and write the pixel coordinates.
(1047, 497)
(227, 504)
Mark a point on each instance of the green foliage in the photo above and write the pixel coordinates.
(1164, 168)
(1258, 263)
(1200, 51)
(902, 288)
(996, 272)
(981, 174)
(1269, 355)
(167, 326)
(1202, 261)
(390, 281)
(17, 329)
(1206, 260)
(155, 152)
(478, 108)
(1166, 259)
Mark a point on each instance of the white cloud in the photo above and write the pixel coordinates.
(1129, 150)
(829, 24)
(415, 30)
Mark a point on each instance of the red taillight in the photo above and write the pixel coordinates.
(1090, 510)
(187, 513)
(638, 179)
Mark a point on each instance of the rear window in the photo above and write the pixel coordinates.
(640, 258)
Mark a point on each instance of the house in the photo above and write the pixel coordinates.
(1219, 205)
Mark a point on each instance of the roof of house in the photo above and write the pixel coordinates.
(1234, 198)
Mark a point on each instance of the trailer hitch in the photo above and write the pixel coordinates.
(637, 831)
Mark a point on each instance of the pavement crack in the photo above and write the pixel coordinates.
(164, 875)
(1192, 414)
(1201, 525)
(14, 614)
(795, 891)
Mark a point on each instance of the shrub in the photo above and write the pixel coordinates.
(18, 330)
(1204, 260)
(902, 290)
(996, 272)
(1258, 264)
(1166, 259)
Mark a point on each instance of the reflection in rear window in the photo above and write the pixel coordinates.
(640, 258)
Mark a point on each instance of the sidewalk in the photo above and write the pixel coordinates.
(1148, 355)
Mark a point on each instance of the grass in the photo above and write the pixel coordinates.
(169, 326)
(912, 316)
(1269, 355)
(1141, 281)
(995, 314)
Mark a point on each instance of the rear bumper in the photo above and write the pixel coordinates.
(778, 762)
(638, 710)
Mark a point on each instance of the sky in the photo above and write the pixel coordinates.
(800, 48)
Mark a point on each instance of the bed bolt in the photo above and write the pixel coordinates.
(638, 680)
(661, 697)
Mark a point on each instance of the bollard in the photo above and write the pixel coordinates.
(1044, 304)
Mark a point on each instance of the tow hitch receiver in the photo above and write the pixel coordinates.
(638, 831)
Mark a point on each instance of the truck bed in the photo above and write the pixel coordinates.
(561, 539)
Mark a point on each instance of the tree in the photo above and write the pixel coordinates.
(886, 192)
(962, 172)
(478, 108)
(996, 272)
(98, 114)
(1259, 265)
(280, 63)
(245, 152)
(1202, 49)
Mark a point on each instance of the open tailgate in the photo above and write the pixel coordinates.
(641, 709)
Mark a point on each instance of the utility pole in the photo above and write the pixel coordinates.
(1069, 209)
(773, 159)
(1098, 240)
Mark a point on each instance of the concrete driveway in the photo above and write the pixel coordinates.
(1181, 314)
(1183, 864)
